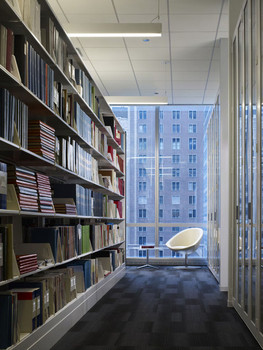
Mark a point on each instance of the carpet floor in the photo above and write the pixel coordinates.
(164, 309)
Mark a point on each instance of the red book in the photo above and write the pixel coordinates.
(9, 48)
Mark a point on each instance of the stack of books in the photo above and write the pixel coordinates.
(41, 139)
(44, 194)
(62, 206)
(25, 185)
(27, 263)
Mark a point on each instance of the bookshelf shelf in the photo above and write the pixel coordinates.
(46, 336)
(51, 105)
(64, 262)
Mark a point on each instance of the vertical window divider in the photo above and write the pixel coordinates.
(157, 113)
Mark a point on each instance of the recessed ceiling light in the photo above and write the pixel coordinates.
(146, 40)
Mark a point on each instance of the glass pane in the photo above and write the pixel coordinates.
(247, 163)
(181, 166)
(254, 164)
(139, 124)
(261, 240)
(137, 236)
(240, 152)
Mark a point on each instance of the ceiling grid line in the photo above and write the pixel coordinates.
(127, 51)
(170, 50)
(213, 50)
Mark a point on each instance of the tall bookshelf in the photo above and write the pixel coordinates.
(62, 175)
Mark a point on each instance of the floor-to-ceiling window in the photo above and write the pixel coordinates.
(166, 181)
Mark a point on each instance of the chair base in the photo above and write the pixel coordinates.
(147, 265)
(188, 267)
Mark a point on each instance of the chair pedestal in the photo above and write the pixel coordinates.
(147, 260)
(186, 266)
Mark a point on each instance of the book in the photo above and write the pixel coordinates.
(28, 308)
(46, 235)
(8, 319)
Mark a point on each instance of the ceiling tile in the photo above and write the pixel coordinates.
(152, 75)
(190, 65)
(118, 75)
(124, 92)
(138, 7)
(190, 93)
(117, 65)
(88, 7)
(186, 76)
(193, 23)
(154, 84)
(163, 42)
(102, 42)
(195, 7)
(187, 100)
(192, 39)
(106, 53)
(189, 85)
(192, 53)
(151, 65)
(149, 53)
(120, 85)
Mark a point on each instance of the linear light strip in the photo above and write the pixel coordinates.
(116, 30)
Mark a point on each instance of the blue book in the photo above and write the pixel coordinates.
(86, 268)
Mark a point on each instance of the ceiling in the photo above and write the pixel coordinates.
(182, 65)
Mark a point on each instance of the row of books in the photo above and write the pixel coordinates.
(114, 130)
(67, 242)
(34, 72)
(13, 119)
(28, 304)
(88, 202)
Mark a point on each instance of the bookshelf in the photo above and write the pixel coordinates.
(56, 131)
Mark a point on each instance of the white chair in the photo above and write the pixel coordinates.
(187, 240)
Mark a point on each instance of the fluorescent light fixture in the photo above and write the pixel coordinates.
(136, 100)
(116, 30)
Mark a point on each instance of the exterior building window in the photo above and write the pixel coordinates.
(175, 172)
(142, 229)
(142, 200)
(177, 128)
(160, 253)
(192, 128)
(192, 158)
(142, 186)
(176, 158)
(161, 114)
(142, 213)
(192, 115)
(175, 186)
(192, 143)
(192, 199)
(161, 186)
(160, 199)
(142, 158)
(192, 172)
(175, 199)
(142, 114)
(191, 186)
(142, 240)
(161, 172)
(142, 172)
(176, 143)
(160, 229)
(176, 115)
(192, 213)
(142, 253)
(175, 229)
(142, 128)
(160, 213)
(161, 143)
(175, 213)
(142, 143)
(160, 240)
(161, 128)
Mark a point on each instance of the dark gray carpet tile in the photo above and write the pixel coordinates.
(164, 309)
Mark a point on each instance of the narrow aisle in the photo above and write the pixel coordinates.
(163, 309)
